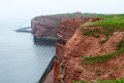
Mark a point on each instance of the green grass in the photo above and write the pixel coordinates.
(93, 32)
(110, 24)
(105, 57)
(98, 59)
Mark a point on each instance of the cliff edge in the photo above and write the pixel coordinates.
(43, 26)
(90, 50)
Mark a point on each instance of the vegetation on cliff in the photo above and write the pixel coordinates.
(106, 57)
(102, 42)
(110, 24)
(102, 58)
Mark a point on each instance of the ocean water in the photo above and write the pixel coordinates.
(21, 61)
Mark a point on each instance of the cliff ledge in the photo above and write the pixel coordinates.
(90, 49)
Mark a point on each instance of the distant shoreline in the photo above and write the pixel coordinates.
(25, 29)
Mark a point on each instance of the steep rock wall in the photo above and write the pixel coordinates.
(43, 26)
(65, 31)
(72, 45)
(75, 69)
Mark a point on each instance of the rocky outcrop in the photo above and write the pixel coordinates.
(82, 53)
(65, 31)
(72, 46)
(43, 26)
(88, 46)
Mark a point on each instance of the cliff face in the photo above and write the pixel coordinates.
(65, 32)
(73, 45)
(43, 26)
(84, 52)
(76, 69)
(66, 29)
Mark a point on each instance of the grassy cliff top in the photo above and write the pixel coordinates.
(110, 23)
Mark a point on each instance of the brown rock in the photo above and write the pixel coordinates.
(72, 46)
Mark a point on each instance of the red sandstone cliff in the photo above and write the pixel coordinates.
(72, 46)
(43, 26)
(65, 31)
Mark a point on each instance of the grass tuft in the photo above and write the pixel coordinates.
(110, 24)
(93, 32)
(105, 57)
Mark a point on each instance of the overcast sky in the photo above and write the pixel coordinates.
(31, 8)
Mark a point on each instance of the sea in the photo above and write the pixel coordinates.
(22, 60)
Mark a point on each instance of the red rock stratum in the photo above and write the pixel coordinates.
(79, 54)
